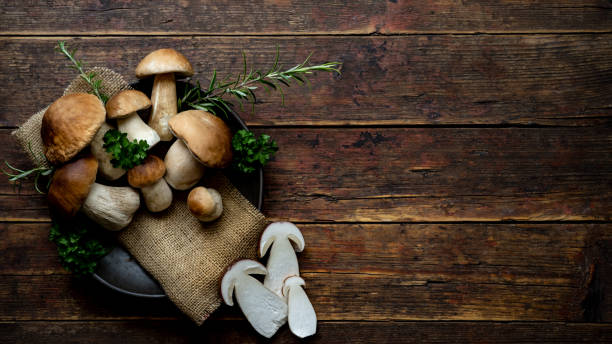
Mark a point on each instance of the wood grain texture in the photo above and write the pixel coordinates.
(170, 332)
(414, 80)
(269, 17)
(415, 174)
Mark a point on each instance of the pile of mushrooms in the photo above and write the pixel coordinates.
(73, 130)
(280, 298)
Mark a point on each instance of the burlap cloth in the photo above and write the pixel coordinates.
(184, 255)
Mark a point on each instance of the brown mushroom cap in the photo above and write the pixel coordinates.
(147, 173)
(125, 103)
(205, 204)
(164, 61)
(70, 185)
(69, 125)
(206, 136)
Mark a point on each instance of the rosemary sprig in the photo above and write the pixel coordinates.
(89, 77)
(243, 86)
(16, 175)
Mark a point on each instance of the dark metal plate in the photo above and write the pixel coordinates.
(120, 271)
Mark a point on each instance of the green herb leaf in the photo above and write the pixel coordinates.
(125, 154)
(251, 153)
(89, 78)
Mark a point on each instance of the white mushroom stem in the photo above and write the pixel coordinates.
(300, 313)
(137, 129)
(163, 99)
(105, 167)
(112, 207)
(182, 170)
(282, 262)
(264, 310)
(157, 196)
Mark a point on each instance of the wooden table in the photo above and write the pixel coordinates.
(454, 184)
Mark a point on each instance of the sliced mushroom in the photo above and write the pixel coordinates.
(205, 203)
(73, 188)
(123, 107)
(264, 310)
(105, 168)
(205, 142)
(301, 315)
(282, 262)
(148, 176)
(164, 64)
(69, 125)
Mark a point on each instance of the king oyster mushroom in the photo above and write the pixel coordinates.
(73, 188)
(69, 125)
(148, 176)
(123, 107)
(264, 310)
(164, 64)
(204, 140)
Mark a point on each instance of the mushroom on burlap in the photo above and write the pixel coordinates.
(69, 125)
(148, 177)
(73, 188)
(203, 140)
(205, 203)
(164, 64)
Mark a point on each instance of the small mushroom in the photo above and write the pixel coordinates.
(123, 107)
(282, 261)
(164, 64)
(73, 188)
(148, 176)
(301, 315)
(205, 203)
(105, 168)
(208, 140)
(69, 125)
(264, 310)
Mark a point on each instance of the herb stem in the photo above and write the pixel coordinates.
(89, 78)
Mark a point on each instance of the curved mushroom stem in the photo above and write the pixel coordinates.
(105, 167)
(137, 129)
(157, 196)
(281, 263)
(163, 99)
(182, 170)
(112, 207)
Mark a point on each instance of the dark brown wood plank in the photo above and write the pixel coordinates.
(413, 80)
(167, 332)
(417, 174)
(303, 17)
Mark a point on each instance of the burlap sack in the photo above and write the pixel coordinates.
(184, 255)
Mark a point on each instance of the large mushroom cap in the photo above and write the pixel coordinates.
(70, 185)
(147, 173)
(164, 61)
(125, 103)
(206, 136)
(70, 124)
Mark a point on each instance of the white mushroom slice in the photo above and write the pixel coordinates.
(300, 313)
(182, 170)
(105, 167)
(265, 311)
(282, 262)
(112, 207)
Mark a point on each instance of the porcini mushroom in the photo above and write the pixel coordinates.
(301, 316)
(69, 125)
(123, 107)
(208, 140)
(205, 203)
(264, 310)
(105, 168)
(148, 176)
(73, 188)
(282, 261)
(164, 64)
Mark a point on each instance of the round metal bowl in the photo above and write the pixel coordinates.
(120, 271)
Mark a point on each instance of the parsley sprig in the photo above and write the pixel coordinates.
(125, 154)
(242, 87)
(90, 77)
(251, 153)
